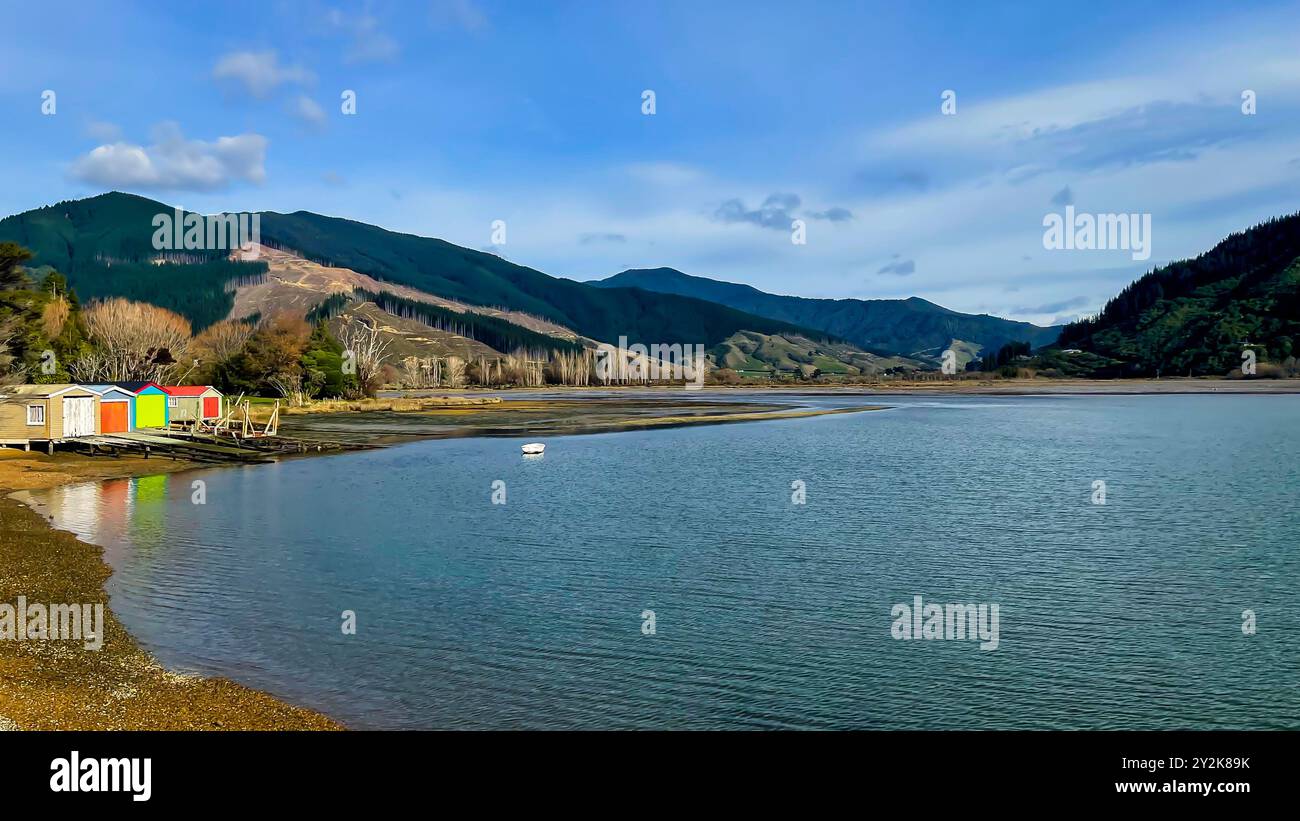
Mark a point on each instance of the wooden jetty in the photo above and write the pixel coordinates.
(233, 437)
(200, 447)
(177, 447)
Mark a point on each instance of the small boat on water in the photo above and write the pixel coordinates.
(534, 448)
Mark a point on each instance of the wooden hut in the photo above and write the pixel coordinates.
(47, 413)
(149, 410)
(192, 403)
(115, 408)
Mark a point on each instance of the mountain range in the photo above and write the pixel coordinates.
(441, 298)
(913, 327)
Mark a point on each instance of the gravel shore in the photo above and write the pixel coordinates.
(60, 685)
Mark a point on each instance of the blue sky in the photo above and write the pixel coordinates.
(470, 111)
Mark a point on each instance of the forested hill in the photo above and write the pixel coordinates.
(453, 272)
(1196, 316)
(912, 326)
(103, 245)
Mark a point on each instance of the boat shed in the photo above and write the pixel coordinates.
(116, 408)
(47, 413)
(150, 407)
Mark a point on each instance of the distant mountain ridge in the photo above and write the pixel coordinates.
(912, 327)
(446, 270)
(103, 245)
(427, 297)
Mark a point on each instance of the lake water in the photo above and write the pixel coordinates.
(768, 614)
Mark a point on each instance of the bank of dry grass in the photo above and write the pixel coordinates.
(261, 411)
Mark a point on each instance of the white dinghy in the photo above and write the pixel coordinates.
(534, 448)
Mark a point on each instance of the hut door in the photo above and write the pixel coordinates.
(114, 417)
(78, 416)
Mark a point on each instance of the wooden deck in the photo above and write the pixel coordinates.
(176, 447)
(200, 447)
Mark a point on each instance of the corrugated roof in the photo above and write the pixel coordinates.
(186, 390)
(39, 390)
(136, 387)
(103, 389)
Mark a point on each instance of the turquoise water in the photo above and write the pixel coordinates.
(767, 614)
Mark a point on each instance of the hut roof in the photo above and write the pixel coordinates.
(40, 391)
(136, 387)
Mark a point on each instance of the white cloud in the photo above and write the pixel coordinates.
(663, 173)
(370, 44)
(175, 163)
(460, 13)
(258, 72)
(308, 111)
(103, 132)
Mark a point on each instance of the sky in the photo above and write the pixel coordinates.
(921, 146)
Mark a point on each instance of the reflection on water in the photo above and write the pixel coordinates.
(114, 513)
(528, 614)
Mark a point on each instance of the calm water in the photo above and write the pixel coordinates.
(768, 614)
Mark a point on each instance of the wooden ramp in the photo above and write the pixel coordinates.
(276, 445)
(174, 446)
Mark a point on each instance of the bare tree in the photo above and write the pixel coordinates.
(570, 368)
(361, 340)
(55, 316)
(10, 374)
(219, 342)
(419, 372)
(289, 385)
(455, 372)
(135, 341)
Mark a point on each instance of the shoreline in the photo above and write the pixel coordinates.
(991, 387)
(60, 685)
(49, 685)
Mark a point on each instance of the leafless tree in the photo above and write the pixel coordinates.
(10, 374)
(455, 372)
(290, 386)
(134, 341)
(55, 316)
(361, 339)
(219, 342)
(419, 372)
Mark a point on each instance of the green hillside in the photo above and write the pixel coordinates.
(103, 246)
(453, 272)
(1195, 317)
(767, 355)
(912, 327)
